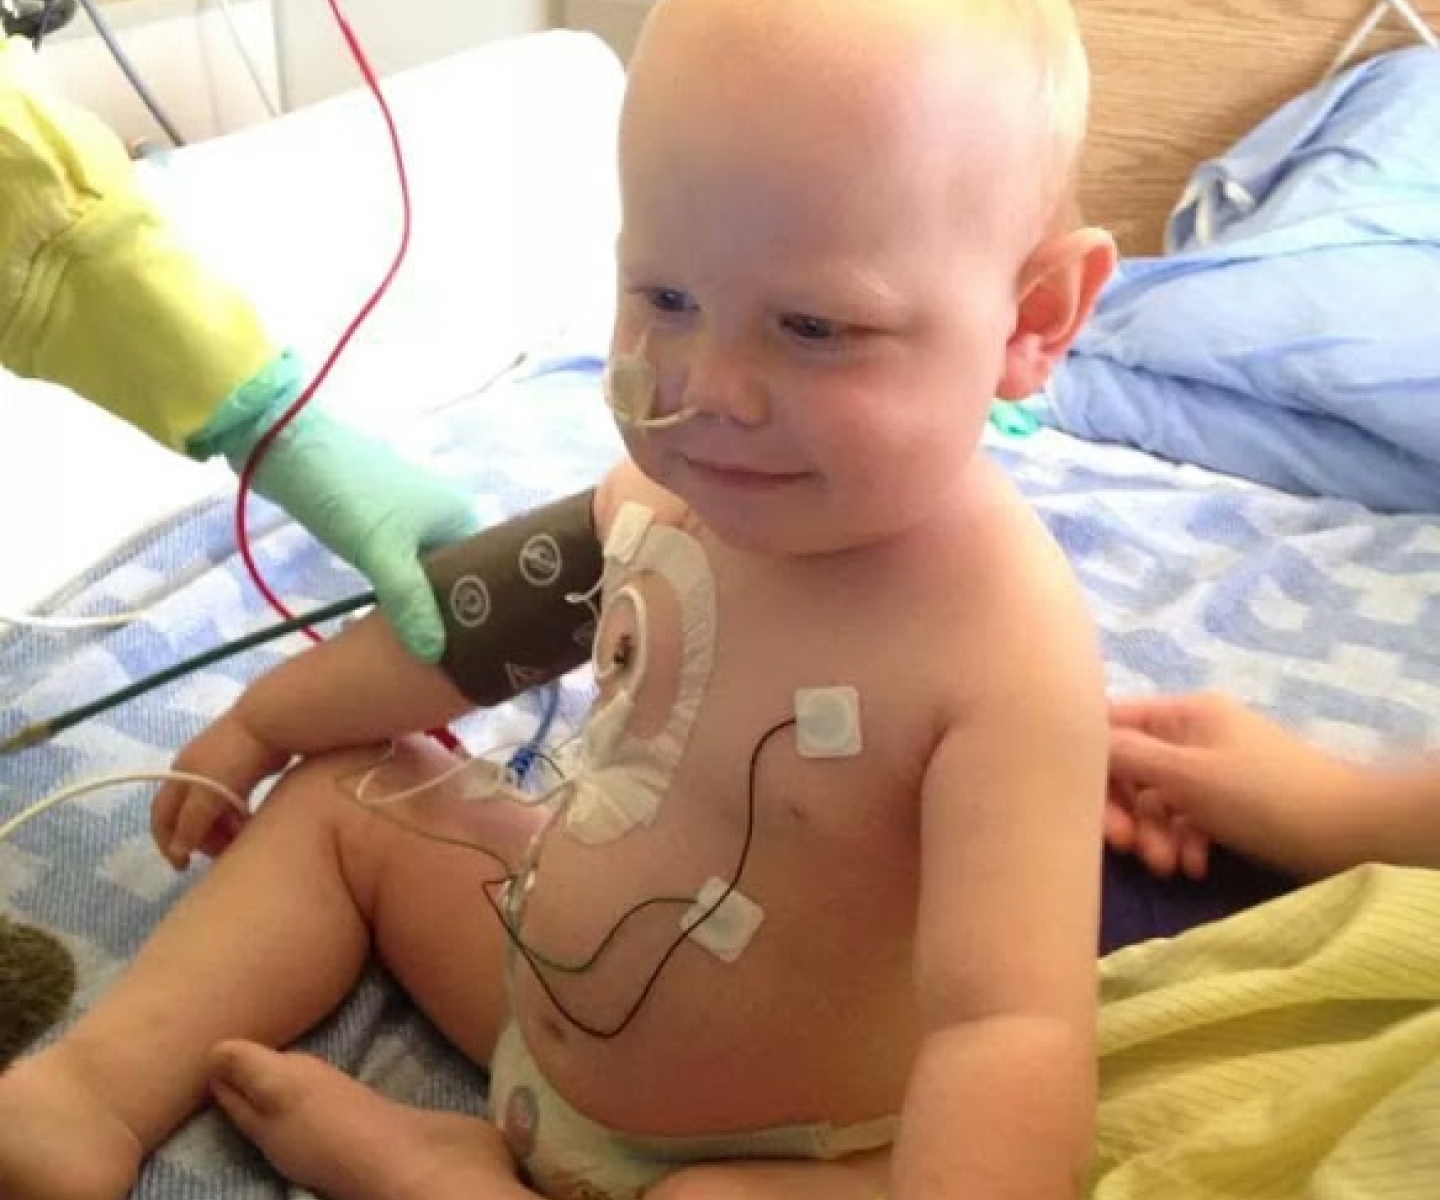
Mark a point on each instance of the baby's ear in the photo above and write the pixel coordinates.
(1059, 285)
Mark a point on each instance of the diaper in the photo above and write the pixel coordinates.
(566, 1156)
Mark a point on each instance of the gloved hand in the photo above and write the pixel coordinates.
(369, 505)
(101, 295)
(373, 508)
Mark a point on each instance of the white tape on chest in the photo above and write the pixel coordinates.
(621, 778)
(627, 532)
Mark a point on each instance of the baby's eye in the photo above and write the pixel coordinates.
(810, 329)
(670, 301)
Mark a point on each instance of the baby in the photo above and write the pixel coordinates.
(848, 686)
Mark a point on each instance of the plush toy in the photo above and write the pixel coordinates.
(37, 980)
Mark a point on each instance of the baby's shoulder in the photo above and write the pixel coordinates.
(1016, 613)
(1000, 552)
(625, 484)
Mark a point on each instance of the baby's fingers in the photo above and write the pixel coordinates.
(185, 818)
(225, 830)
(164, 810)
(194, 823)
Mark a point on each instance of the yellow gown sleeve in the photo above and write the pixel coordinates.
(97, 292)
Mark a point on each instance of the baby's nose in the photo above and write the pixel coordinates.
(721, 382)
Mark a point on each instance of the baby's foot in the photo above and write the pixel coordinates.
(58, 1139)
(323, 1130)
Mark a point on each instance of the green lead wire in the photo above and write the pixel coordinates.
(43, 731)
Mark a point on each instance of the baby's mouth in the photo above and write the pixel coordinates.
(731, 475)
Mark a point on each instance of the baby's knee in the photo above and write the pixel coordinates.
(352, 790)
(711, 1181)
(860, 1177)
(702, 1182)
(323, 788)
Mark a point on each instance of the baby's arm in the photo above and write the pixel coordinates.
(1188, 768)
(1001, 1095)
(361, 686)
(351, 690)
(364, 687)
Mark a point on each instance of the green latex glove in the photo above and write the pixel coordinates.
(369, 505)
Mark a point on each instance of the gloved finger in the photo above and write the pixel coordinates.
(455, 521)
(405, 597)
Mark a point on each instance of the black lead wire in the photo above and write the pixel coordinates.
(43, 731)
(536, 963)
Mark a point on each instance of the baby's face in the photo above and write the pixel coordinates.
(821, 277)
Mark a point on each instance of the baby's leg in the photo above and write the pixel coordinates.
(262, 948)
(861, 1177)
(323, 1130)
(329, 1133)
(435, 932)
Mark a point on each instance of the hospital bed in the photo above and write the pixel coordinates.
(1312, 594)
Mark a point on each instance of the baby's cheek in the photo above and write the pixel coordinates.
(854, 435)
(647, 455)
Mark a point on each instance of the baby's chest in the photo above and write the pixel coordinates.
(731, 659)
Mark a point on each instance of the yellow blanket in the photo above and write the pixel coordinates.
(1292, 1051)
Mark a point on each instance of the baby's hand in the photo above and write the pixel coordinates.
(187, 817)
(1187, 770)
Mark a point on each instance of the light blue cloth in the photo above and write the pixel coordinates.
(1292, 335)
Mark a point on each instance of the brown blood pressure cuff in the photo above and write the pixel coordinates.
(516, 599)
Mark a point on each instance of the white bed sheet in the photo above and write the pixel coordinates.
(510, 154)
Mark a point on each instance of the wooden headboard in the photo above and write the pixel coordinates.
(1177, 81)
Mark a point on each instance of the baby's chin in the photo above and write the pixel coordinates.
(790, 520)
(781, 534)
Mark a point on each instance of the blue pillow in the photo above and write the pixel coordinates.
(1293, 336)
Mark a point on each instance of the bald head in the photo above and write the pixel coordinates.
(1002, 82)
(835, 249)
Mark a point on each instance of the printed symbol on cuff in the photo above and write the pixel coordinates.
(470, 601)
(540, 560)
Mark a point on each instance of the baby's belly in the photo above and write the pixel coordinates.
(647, 1031)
